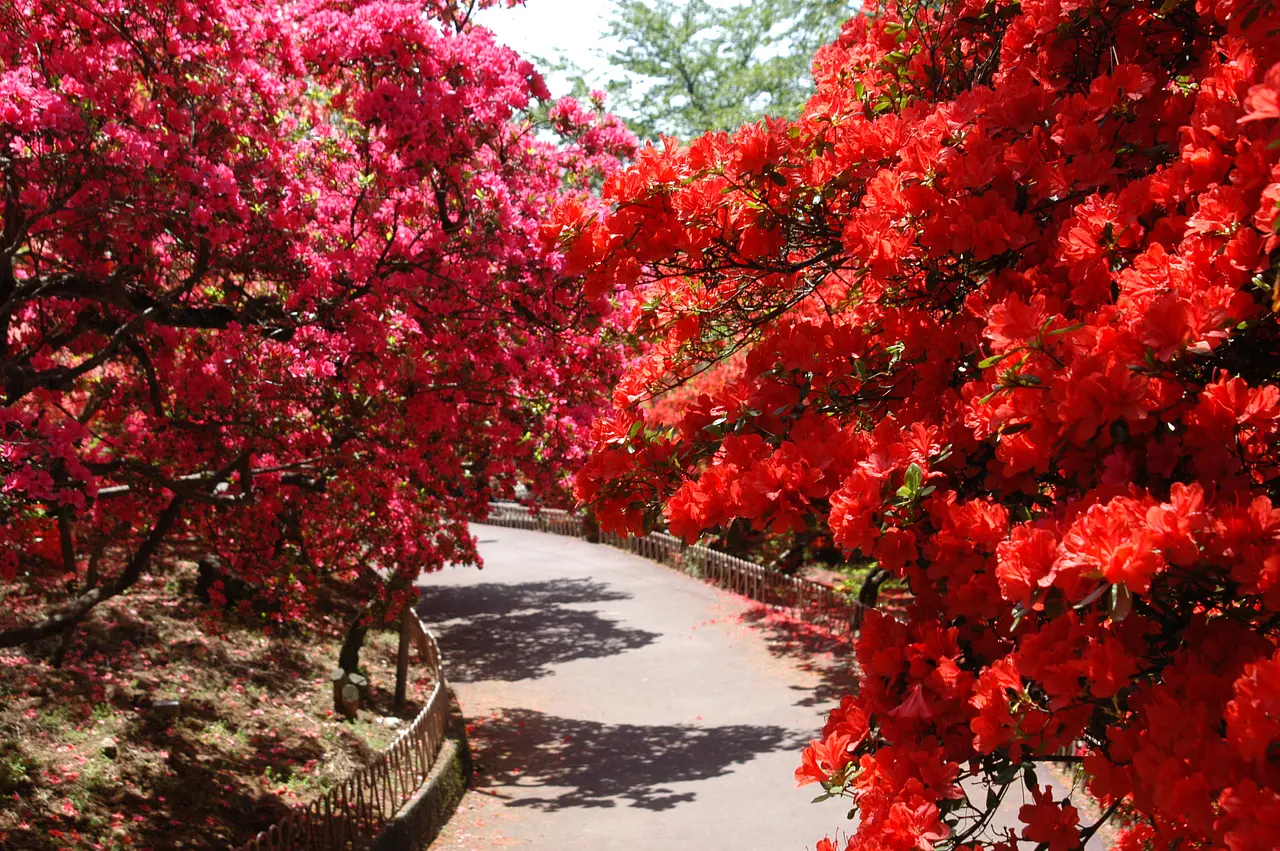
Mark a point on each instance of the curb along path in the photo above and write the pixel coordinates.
(400, 798)
(615, 703)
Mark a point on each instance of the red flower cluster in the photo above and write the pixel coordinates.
(998, 312)
(272, 280)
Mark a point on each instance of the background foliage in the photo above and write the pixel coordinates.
(687, 66)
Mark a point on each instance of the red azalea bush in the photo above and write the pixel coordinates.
(272, 283)
(1005, 300)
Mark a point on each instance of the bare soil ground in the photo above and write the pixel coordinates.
(95, 754)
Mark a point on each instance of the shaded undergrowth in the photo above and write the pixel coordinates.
(164, 728)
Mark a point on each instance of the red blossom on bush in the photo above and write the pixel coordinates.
(997, 312)
(272, 281)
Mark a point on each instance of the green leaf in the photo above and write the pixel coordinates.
(1006, 774)
(914, 477)
(1090, 597)
(1121, 602)
(987, 363)
(1017, 619)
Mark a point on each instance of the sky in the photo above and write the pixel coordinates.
(554, 29)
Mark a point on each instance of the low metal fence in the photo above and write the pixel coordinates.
(804, 599)
(351, 815)
(554, 520)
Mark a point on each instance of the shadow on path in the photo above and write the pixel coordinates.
(830, 657)
(591, 765)
(512, 632)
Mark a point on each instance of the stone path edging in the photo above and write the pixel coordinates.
(422, 818)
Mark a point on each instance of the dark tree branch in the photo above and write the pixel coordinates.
(154, 392)
(76, 611)
(163, 310)
(1087, 833)
(66, 541)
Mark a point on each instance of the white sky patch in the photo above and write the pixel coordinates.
(554, 30)
(548, 31)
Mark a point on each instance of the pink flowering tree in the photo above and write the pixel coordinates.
(271, 282)
(997, 312)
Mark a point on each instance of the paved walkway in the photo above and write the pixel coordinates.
(617, 704)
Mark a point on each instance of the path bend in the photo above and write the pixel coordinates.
(616, 703)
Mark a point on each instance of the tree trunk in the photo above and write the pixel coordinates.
(402, 659)
(349, 655)
(868, 595)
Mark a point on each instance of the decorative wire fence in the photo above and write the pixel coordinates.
(803, 599)
(352, 814)
(554, 520)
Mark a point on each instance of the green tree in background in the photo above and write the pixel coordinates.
(684, 67)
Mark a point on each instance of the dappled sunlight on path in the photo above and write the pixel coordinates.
(522, 630)
(811, 649)
(617, 704)
(609, 765)
(614, 703)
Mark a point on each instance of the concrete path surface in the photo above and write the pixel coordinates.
(616, 703)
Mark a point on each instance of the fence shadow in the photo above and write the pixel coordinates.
(588, 764)
(509, 632)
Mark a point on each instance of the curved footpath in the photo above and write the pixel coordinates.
(614, 703)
